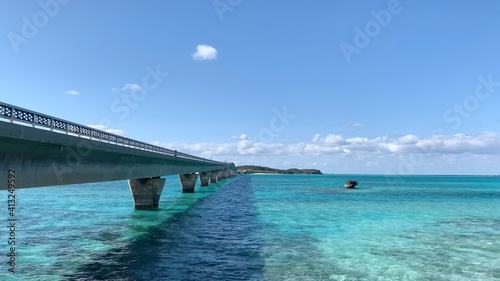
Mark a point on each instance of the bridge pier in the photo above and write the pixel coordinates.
(204, 179)
(223, 174)
(188, 181)
(146, 192)
(213, 177)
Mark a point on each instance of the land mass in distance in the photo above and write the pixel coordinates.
(251, 169)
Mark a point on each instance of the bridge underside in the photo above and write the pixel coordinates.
(44, 158)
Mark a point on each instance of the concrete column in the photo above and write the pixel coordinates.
(188, 181)
(223, 174)
(213, 177)
(219, 175)
(146, 192)
(203, 178)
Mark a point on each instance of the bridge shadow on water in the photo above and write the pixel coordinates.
(215, 239)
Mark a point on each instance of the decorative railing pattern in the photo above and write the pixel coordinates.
(13, 113)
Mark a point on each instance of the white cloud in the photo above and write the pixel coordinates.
(333, 140)
(355, 125)
(128, 87)
(107, 130)
(131, 87)
(483, 143)
(116, 131)
(385, 154)
(72, 92)
(204, 52)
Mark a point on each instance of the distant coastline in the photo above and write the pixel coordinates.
(251, 169)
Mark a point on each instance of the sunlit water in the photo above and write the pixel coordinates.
(262, 227)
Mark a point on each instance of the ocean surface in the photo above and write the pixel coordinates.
(261, 227)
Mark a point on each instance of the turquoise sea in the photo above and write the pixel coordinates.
(262, 227)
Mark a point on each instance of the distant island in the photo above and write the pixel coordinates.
(250, 169)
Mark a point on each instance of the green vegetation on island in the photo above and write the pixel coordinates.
(250, 169)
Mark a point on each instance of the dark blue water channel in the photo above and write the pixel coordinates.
(216, 239)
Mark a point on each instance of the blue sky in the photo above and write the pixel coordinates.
(392, 87)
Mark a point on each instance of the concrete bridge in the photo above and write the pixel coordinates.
(38, 150)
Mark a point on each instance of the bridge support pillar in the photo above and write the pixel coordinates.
(146, 192)
(223, 174)
(188, 181)
(213, 177)
(204, 179)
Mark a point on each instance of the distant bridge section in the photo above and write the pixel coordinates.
(46, 151)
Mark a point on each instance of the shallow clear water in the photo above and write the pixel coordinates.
(263, 227)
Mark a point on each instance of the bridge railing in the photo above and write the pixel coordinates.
(18, 114)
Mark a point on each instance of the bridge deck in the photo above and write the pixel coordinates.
(45, 150)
